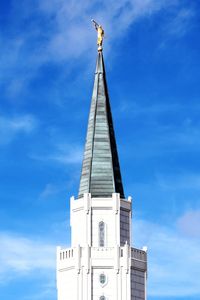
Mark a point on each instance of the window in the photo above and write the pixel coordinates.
(102, 298)
(101, 234)
(102, 278)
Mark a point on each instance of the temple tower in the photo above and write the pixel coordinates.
(101, 264)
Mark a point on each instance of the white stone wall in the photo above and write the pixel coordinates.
(79, 226)
(79, 267)
(106, 289)
(86, 213)
(108, 218)
(67, 288)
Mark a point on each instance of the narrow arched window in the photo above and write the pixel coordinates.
(101, 234)
(102, 278)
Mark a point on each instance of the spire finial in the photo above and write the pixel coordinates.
(100, 35)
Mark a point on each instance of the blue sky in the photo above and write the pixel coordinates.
(48, 56)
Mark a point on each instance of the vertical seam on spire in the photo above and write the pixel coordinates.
(95, 113)
(106, 92)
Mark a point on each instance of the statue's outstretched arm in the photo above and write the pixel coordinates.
(96, 25)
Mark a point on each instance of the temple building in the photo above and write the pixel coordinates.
(101, 263)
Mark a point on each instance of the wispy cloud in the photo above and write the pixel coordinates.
(68, 157)
(63, 154)
(47, 291)
(10, 127)
(133, 109)
(179, 181)
(189, 223)
(181, 23)
(61, 31)
(168, 250)
(19, 64)
(74, 36)
(50, 190)
(166, 133)
(172, 259)
(22, 256)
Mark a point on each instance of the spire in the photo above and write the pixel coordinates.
(101, 174)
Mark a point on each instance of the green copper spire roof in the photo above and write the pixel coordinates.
(101, 174)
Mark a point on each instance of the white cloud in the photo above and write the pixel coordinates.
(164, 138)
(47, 291)
(74, 35)
(49, 190)
(52, 189)
(173, 260)
(189, 223)
(22, 256)
(66, 32)
(181, 23)
(179, 181)
(64, 154)
(18, 63)
(12, 126)
(70, 156)
(134, 109)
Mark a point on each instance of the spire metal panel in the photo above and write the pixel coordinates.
(101, 174)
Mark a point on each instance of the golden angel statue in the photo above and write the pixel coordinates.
(100, 34)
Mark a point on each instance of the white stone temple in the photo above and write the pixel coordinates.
(101, 263)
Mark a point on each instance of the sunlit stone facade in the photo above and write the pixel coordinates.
(80, 267)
